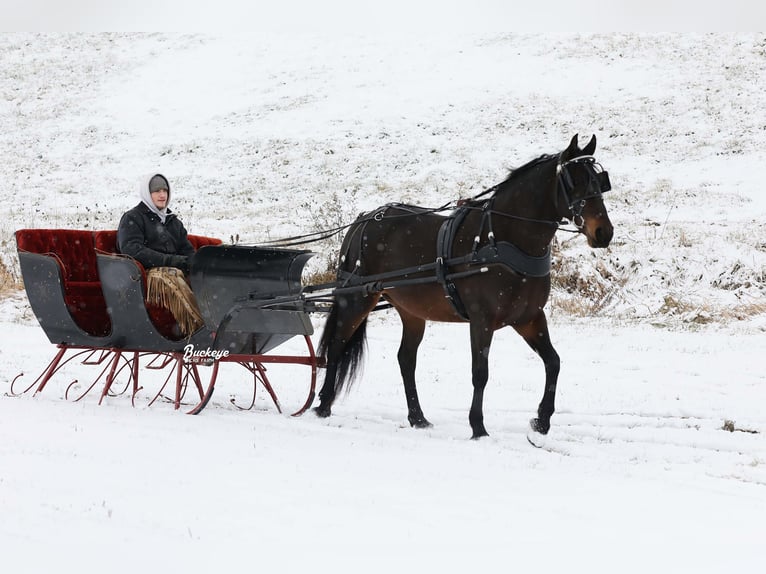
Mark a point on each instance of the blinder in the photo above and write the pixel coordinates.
(604, 184)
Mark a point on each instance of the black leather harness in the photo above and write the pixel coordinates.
(493, 253)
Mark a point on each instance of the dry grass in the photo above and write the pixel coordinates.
(688, 311)
(704, 313)
(320, 276)
(9, 281)
(584, 290)
(684, 240)
(731, 426)
(742, 312)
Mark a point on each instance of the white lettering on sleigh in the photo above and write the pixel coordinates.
(192, 355)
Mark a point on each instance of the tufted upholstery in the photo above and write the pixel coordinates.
(73, 249)
(69, 245)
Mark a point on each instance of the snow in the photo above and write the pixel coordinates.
(268, 135)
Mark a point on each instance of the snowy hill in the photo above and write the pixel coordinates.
(260, 135)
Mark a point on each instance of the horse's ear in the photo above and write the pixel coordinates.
(571, 150)
(590, 149)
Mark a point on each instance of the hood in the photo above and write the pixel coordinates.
(146, 196)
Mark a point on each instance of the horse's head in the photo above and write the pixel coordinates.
(581, 183)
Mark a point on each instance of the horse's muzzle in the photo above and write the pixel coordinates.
(601, 235)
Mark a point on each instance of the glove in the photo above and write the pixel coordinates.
(180, 262)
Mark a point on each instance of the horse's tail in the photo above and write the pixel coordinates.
(351, 355)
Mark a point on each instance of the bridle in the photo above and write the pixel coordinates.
(566, 185)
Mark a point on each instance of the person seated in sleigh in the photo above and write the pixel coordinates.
(156, 238)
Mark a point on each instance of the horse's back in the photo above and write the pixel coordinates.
(391, 237)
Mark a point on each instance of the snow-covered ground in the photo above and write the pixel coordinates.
(638, 473)
(661, 336)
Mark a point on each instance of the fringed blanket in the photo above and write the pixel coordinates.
(167, 287)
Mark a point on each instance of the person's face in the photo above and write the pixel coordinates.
(160, 198)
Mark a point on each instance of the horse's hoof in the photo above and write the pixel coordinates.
(539, 426)
(480, 434)
(420, 423)
(322, 412)
(535, 435)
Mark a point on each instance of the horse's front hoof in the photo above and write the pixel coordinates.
(322, 412)
(539, 426)
(479, 434)
(536, 435)
(419, 422)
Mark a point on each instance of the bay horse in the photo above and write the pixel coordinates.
(487, 263)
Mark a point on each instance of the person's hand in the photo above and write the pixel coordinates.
(180, 262)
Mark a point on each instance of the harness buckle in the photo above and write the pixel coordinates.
(577, 219)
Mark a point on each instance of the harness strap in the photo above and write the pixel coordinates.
(507, 254)
(444, 240)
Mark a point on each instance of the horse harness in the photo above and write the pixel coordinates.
(493, 253)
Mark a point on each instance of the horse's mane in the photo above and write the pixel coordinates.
(519, 171)
(514, 174)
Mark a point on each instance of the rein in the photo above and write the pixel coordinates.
(377, 215)
(307, 238)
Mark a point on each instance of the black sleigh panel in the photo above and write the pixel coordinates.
(234, 286)
(58, 316)
(124, 290)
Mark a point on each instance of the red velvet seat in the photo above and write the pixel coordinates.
(73, 249)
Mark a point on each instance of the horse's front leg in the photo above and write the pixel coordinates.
(481, 339)
(535, 333)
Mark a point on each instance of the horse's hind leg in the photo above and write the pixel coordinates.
(412, 334)
(343, 343)
(535, 333)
